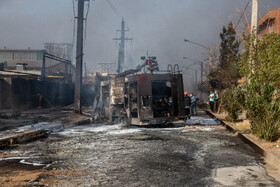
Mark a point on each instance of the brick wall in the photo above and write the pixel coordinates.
(269, 23)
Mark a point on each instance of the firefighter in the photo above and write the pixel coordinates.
(187, 104)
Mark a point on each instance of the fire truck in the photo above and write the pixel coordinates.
(143, 98)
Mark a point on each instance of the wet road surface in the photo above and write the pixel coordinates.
(199, 152)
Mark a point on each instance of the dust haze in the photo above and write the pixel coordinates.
(157, 26)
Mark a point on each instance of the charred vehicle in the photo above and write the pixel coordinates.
(143, 99)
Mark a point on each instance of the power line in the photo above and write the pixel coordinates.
(242, 14)
(121, 53)
(114, 9)
(119, 14)
(265, 7)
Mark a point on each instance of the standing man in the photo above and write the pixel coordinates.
(193, 104)
(187, 104)
(211, 100)
(216, 101)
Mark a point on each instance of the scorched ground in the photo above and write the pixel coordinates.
(199, 153)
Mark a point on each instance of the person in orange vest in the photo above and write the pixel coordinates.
(187, 100)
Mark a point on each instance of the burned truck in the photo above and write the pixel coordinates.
(143, 99)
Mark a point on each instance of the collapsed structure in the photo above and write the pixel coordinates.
(142, 99)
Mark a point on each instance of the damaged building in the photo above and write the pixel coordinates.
(32, 77)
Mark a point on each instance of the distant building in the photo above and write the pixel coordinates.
(106, 68)
(62, 50)
(31, 60)
(269, 23)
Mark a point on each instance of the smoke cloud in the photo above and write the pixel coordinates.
(157, 26)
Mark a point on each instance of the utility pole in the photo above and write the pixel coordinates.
(121, 46)
(85, 71)
(201, 73)
(193, 81)
(254, 18)
(201, 67)
(43, 74)
(79, 57)
(254, 30)
(210, 58)
(196, 77)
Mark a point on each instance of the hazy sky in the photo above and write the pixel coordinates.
(158, 26)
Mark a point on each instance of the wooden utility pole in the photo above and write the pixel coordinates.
(79, 57)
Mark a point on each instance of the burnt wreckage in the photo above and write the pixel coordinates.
(143, 99)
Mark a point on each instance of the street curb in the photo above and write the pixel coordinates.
(270, 158)
(222, 122)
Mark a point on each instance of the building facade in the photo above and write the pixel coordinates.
(106, 68)
(12, 57)
(31, 60)
(269, 23)
(62, 50)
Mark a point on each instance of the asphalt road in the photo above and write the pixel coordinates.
(199, 153)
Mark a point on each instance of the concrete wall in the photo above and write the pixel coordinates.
(5, 93)
(19, 93)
